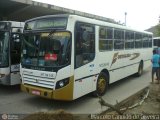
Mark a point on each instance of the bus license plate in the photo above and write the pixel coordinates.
(35, 92)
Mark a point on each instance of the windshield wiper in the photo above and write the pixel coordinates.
(53, 31)
(29, 44)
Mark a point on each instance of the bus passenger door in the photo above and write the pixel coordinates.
(84, 59)
(15, 53)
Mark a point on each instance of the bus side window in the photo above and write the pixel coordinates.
(118, 39)
(105, 39)
(138, 40)
(84, 44)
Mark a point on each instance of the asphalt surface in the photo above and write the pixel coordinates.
(13, 101)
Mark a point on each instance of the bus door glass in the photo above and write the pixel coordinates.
(15, 49)
(84, 44)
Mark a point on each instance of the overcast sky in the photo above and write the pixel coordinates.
(141, 14)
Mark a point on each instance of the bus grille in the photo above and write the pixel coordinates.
(39, 81)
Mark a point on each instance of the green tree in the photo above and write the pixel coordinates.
(158, 30)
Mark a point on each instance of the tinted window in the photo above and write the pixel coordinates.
(118, 39)
(84, 43)
(105, 38)
(4, 47)
(5, 25)
(46, 49)
(138, 40)
(145, 39)
(150, 40)
(129, 39)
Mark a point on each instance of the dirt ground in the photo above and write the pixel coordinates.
(145, 105)
(151, 104)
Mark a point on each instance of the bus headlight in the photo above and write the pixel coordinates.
(62, 83)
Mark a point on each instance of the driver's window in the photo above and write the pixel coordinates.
(84, 43)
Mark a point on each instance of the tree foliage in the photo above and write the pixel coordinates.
(158, 30)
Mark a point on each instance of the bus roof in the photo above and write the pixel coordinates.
(91, 20)
(103, 23)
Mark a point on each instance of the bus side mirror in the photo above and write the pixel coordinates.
(16, 38)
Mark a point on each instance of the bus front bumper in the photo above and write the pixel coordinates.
(65, 93)
(34, 90)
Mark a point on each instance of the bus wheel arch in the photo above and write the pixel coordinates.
(102, 83)
(140, 68)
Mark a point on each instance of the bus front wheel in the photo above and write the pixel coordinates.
(102, 84)
(140, 69)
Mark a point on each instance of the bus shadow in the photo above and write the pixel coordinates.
(45, 105)
(9, 89)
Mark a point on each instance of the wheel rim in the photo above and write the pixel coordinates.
(101, 85)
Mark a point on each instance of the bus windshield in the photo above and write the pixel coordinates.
(46, 49)
(4, 39)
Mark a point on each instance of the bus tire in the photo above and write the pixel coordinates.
(102, 85)
(140, 69)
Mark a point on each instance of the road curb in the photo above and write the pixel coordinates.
(128, 99)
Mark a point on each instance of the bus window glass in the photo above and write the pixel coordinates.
(145, 41)
(84, 44)
(105, 39)
(17, 30)
(46, 49)
(4, 42)
(30, 25)
(118, 39)
(5, 25)
(138, 40)
(156, 42)
(150, 41)
(129, 40)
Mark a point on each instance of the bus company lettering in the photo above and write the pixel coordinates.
(116, 56)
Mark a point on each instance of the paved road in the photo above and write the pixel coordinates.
(13, 101)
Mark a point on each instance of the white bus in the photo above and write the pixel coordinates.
(67, 56)
(10, 52)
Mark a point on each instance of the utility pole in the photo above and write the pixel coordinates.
(125, 18)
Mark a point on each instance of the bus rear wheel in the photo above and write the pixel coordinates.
(102, 84)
